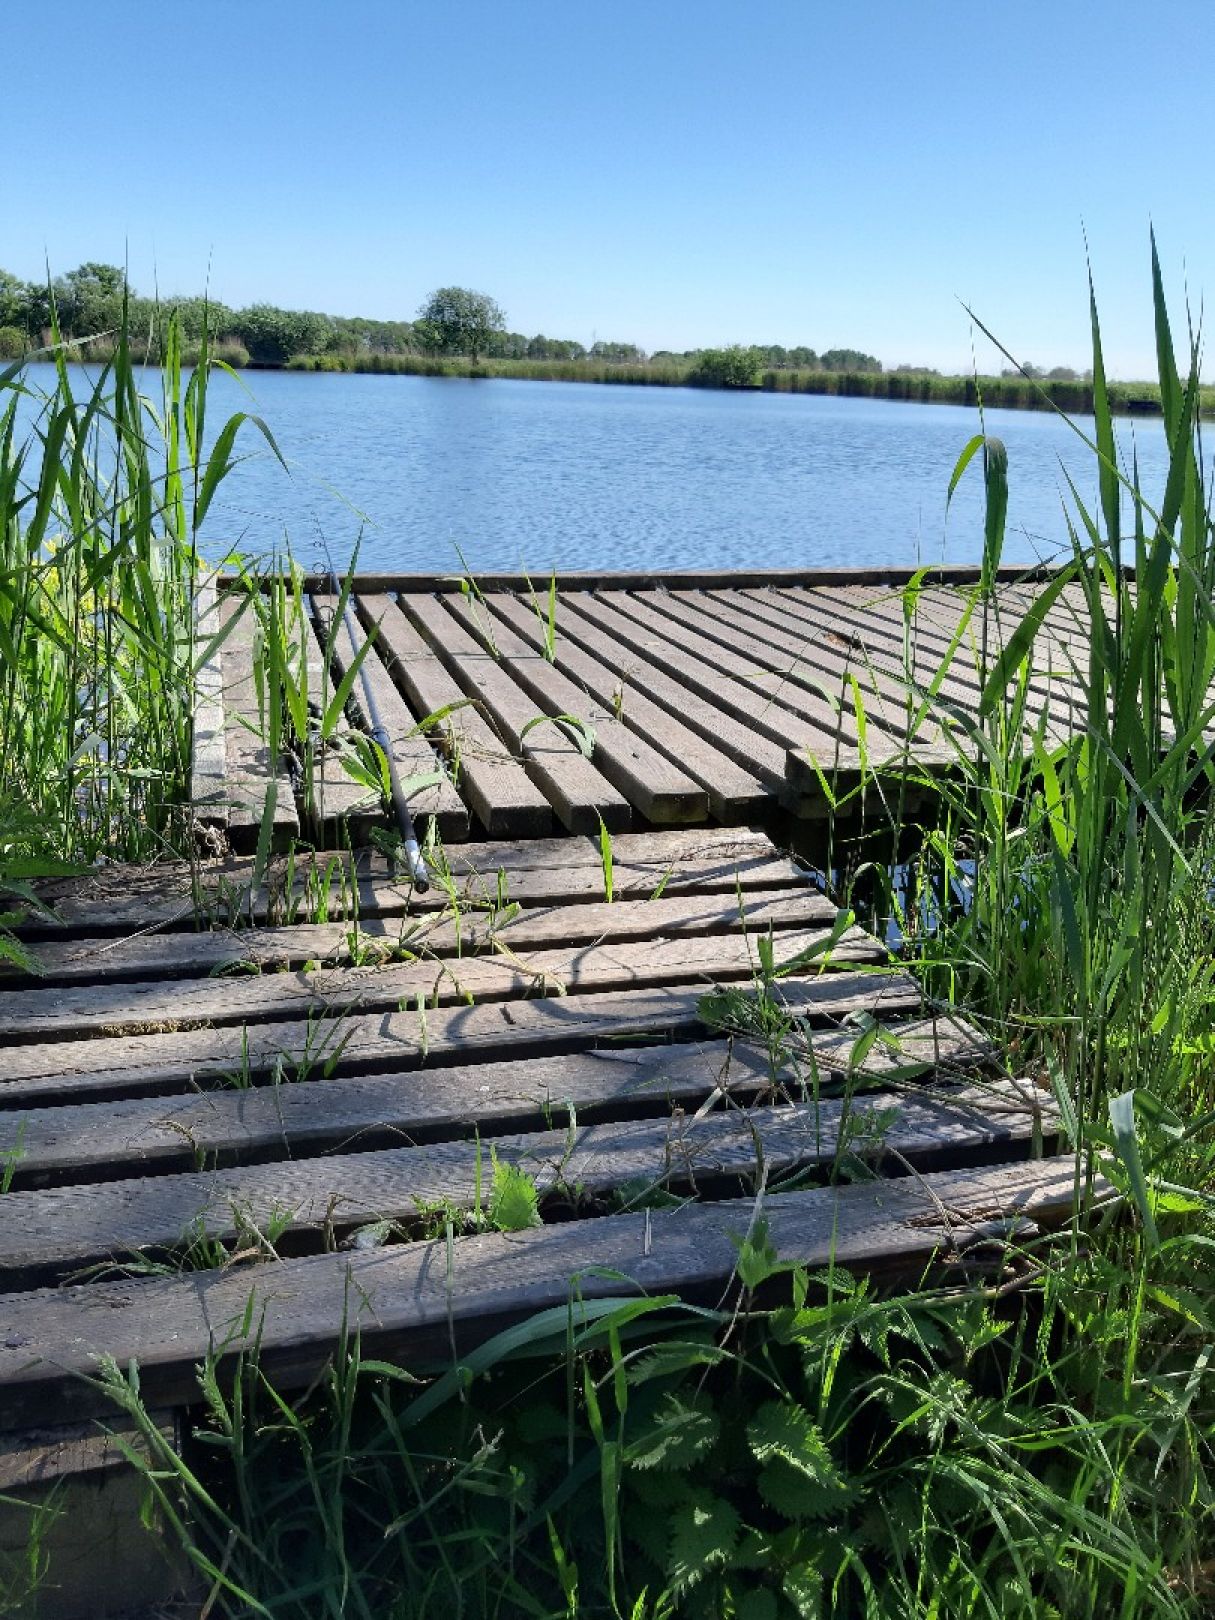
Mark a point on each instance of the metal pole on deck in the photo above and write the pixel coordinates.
(379, 736)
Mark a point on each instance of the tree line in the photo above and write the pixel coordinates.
(88, 304)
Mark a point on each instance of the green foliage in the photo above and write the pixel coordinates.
(275, 336)
(607, 862)
(1036, 1439)
(514, 1204)
(734, 367)
(923, 1455)
(13, 342)
(101, 505)
(455, 320)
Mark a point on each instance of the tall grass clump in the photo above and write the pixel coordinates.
(1064, 891)
(103, 494)
(1065, 888)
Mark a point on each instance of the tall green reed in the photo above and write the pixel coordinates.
(1066, 882)
(103, 494)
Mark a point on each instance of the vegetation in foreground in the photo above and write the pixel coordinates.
(1033, 1441)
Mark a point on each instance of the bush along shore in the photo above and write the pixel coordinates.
(1029, 1440)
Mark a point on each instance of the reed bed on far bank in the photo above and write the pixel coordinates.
(1013, 392)
(1009, 392)
(421, 365)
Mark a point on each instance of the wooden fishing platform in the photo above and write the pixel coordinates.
(238, 1111)
(171, 1079)
(638, 700)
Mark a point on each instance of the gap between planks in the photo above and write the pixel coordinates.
(156, 1135)
(55, 1235)
(144, 1065)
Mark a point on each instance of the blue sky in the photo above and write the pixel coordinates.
(669, 173)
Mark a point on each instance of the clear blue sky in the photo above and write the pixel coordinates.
(671, 172)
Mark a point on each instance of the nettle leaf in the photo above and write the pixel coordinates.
(946, 1399)
(796, 1496)
(676, 1356)
(758, 1258)
(783, 1430)
(704, 1533)
(684, 1431)
(514, 1204)
(803, 1587)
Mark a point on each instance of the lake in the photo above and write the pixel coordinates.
(575, 475)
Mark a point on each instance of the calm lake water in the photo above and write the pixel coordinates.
(571, 475)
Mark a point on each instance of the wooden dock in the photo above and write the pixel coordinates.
(242, 1104)
(647, 701)
(166, 1085)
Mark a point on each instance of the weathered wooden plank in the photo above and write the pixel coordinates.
(52, 1234)
(176, 894)
(648, 780)
(413, 1300)
(45, 1453)
(812, 680)
(734, 794)
(710, 670)
(579, 794)
(878, 621)
(166, 955)
(506, 801)
(254, 779)
(695, 578)
(412, 754)
(208, 754)
(937, 617)
(818, 636)
(742, 743)
(154, 1135)
(141, 1065)
(868, 646)
(68, 1012)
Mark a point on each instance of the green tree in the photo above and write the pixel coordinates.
(734, 367)
(848, 360)
(617, 353)
(274, 335)
(90, 298)
(14, 303)
(456, 320)
(12, 342)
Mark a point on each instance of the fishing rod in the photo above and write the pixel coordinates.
(379, 736)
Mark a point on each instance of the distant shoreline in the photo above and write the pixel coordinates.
(929, 388)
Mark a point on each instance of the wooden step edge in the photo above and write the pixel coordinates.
(414, 1302)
